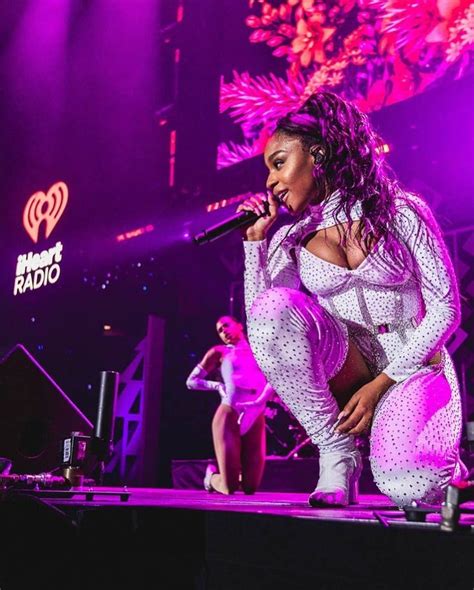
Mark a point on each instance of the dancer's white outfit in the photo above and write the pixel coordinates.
(243, 385)
(399, 311)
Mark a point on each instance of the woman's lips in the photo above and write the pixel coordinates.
(282, 196)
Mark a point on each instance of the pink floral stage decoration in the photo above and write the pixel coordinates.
(374, 52)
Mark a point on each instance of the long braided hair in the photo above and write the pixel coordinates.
(353, 164)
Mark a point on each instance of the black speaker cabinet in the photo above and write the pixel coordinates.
(35, 414)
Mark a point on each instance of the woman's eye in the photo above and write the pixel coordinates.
(278, 164)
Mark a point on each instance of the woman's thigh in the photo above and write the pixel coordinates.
(415, 437)
(226, 438)
(225, 429)
(253, 451)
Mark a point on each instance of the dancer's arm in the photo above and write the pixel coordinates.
(197, 379)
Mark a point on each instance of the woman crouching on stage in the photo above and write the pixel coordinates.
(349, 307)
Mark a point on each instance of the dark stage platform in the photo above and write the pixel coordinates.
(169, 538)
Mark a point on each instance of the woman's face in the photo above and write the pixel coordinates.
(290, 175)
(230, 331)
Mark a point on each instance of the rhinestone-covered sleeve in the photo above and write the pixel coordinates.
(267, 266)
(439, 290)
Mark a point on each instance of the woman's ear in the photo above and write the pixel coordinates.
(318, 153)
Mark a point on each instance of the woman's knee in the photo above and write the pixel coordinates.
(276, 303)
(406, 473)
(411, 485)
(281, 313)
(251, 481)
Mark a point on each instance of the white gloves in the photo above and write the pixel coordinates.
(197, 380)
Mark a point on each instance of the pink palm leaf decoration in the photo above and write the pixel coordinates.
(253, 101)
(232, 153)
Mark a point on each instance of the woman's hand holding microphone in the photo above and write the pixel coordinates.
(266, 207)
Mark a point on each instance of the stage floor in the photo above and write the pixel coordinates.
(372, 508)
(114, 537)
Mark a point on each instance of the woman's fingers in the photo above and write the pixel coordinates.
(354, 412)
(351, 421)
(357, 421)
(266, 212)
(361, 427)
(259, 205)
(254, 203)
(273, 202)
(348, 409)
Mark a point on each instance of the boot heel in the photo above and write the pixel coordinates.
(354, 491)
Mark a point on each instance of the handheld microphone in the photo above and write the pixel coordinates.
(227, 225)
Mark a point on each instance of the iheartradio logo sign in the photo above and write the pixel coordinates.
(45, 207)
(38, 269)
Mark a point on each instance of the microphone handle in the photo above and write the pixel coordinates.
(227, 225)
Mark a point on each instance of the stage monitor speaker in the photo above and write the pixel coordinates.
(35, 414)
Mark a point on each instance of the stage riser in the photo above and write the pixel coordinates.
(158, 547)
(253, 552)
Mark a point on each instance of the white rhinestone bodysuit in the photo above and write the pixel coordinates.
(399, 309)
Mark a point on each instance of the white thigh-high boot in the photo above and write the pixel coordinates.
(299, 346)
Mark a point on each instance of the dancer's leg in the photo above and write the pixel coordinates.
(253, 452)
(226, 438)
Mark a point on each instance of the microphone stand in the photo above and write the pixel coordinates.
(102, 449)
(102, 441)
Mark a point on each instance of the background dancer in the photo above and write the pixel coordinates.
(238, 425)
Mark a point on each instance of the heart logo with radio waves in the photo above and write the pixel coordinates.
(47, 207)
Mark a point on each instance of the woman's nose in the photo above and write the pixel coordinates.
(271, 182)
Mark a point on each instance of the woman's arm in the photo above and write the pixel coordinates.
(265, 395)
(439, 290)
(267, 266)
(197, 377)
